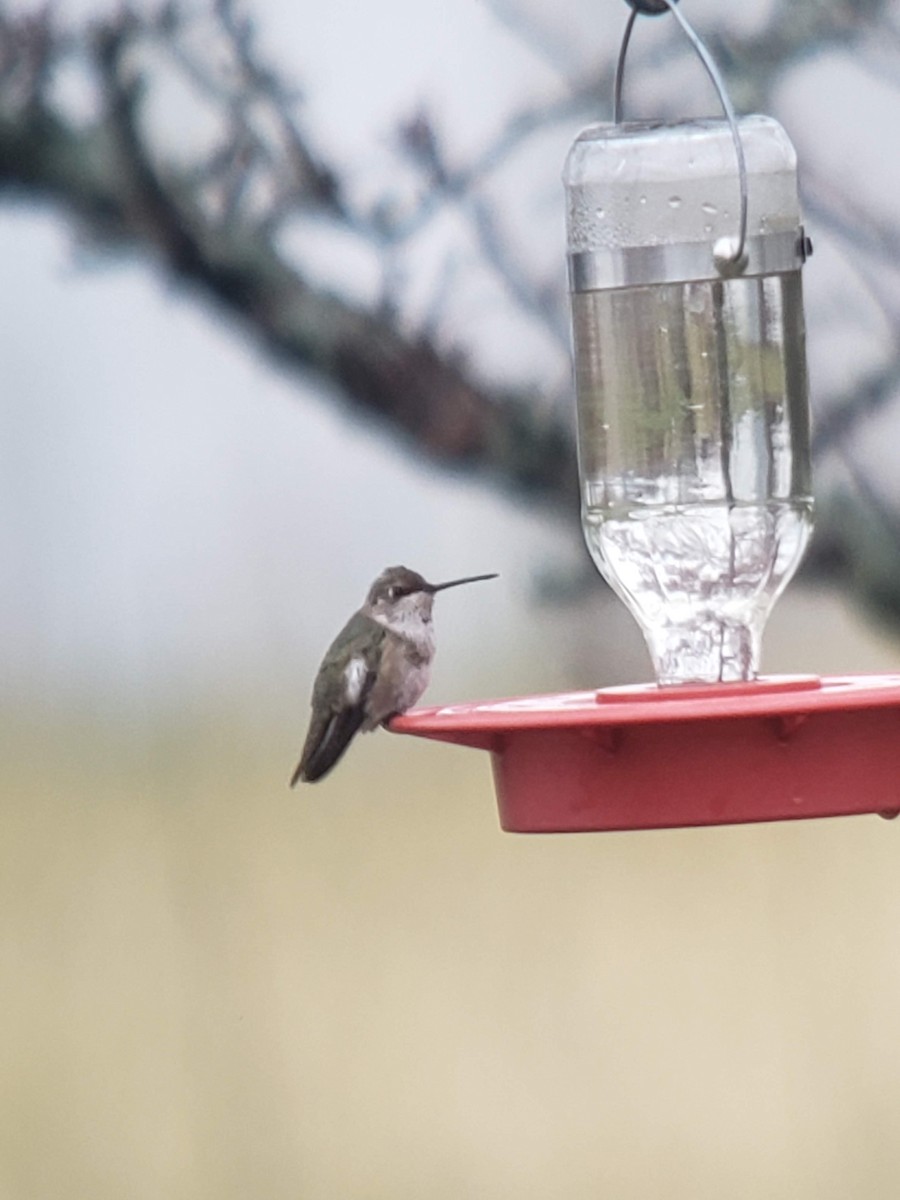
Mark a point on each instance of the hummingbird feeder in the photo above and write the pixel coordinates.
(685, 250)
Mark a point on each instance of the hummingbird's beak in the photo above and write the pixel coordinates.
(439, 587)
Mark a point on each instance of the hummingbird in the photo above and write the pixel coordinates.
(377, 667)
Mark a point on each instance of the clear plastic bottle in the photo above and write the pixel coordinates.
(692, 392)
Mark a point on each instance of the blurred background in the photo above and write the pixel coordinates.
(283, 302)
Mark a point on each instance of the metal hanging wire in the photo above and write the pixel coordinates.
(733, 252)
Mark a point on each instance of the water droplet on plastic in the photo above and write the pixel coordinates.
(709, 209)
(599, 214)
(643, 200)
(674, 202)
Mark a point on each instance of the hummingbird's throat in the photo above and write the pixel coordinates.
(410, 620)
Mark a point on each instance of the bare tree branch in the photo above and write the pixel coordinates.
(105, 176)
(869, 395)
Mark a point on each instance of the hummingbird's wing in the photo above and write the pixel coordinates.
(342, 687)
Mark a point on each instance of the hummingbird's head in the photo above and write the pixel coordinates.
(398, 590)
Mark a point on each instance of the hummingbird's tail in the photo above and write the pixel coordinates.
(326, 741)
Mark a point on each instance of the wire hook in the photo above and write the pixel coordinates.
(727, 252)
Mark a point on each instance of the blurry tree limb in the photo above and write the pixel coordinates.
(105, 176)
(434, 403)
(870, 394)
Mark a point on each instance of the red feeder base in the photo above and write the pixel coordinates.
(645, 757)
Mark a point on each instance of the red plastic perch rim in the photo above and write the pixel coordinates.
(645, 757)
